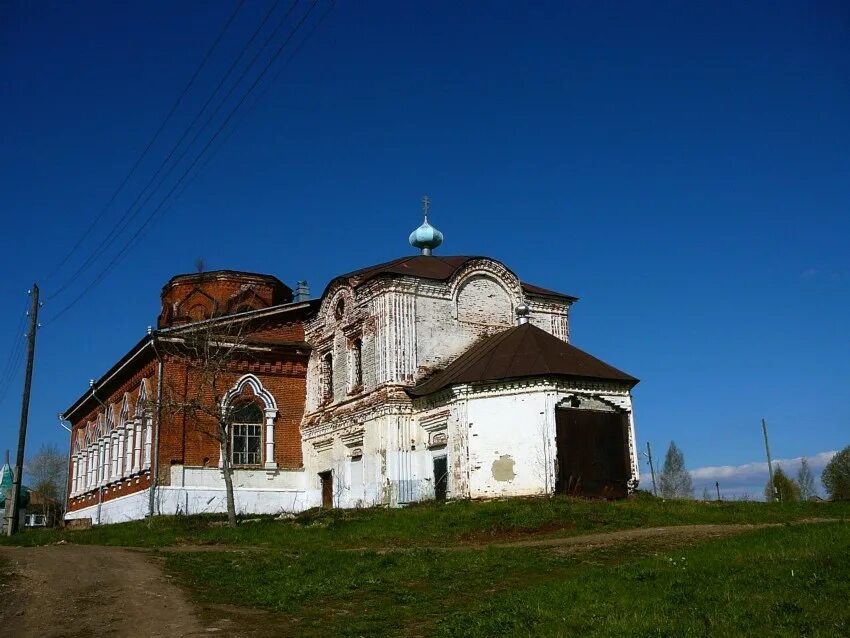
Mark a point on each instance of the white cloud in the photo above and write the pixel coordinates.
(749, 479)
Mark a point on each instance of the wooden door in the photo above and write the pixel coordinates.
(593, 458)
(441, 478)
(327, 489)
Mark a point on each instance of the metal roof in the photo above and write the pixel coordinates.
(521, 352)
(434, 267)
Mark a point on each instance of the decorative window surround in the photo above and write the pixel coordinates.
(353, 438)
(323, 444)
(137, 444)
(270, 411)
(436, 426)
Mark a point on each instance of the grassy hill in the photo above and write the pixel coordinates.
(516, 567)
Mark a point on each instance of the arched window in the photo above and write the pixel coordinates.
(356, 364)
(251, 411)
(327, 378)
(246, 420)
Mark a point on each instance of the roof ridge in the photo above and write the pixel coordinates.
(521, 328)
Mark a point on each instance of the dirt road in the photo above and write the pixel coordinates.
(76, 590)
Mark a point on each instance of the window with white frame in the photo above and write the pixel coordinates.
(246, 426)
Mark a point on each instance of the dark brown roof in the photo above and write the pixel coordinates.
(531, 289)
(427, 267)
(431, 267)
(522, 351)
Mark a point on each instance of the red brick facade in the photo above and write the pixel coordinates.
(178, 436)
(187, 298)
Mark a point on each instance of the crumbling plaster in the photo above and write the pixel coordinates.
(408, 328)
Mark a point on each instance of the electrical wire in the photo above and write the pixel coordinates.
(128, 216)
(147, 148)
(16, 350)
(250, 108)
(150, 218)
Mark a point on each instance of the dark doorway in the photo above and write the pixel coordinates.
(441, 478)
(327, 489)
(592, 453)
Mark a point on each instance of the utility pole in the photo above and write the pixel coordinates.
(769, 461)
(12, 523)
(651, 468)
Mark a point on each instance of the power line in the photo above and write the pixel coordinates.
(247, 111)
(123, 251)
(147, 148)
(127, 218)
(15, 355)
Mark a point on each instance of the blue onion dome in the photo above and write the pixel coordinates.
(426, 237)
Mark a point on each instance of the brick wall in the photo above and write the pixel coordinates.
(188, 438)
(129, 387)
(193, 297)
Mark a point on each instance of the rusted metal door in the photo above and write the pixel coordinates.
(592, 453)
(327, 489)
(441, 478)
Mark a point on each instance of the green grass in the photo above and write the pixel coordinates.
(434, 524)
(791, 580)
(330, 572)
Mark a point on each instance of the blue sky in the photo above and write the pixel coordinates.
(681, 167)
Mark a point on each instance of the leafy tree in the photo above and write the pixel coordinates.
(47, 472)
(805, 481)
(783, 487)
(836, 476)
(675, 479)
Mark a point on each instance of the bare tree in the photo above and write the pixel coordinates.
(47, 474)
(211, 350)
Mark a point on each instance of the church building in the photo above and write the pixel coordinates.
(426, 377)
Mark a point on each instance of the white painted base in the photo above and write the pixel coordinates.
(196, 490)
(118, 510)
(188, 500)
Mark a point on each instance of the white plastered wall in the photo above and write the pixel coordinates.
(502, 437)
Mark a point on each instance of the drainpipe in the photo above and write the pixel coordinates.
(99, 487)
(155, 442)
(70, 462)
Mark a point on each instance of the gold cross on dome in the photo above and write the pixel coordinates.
(426, 206)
